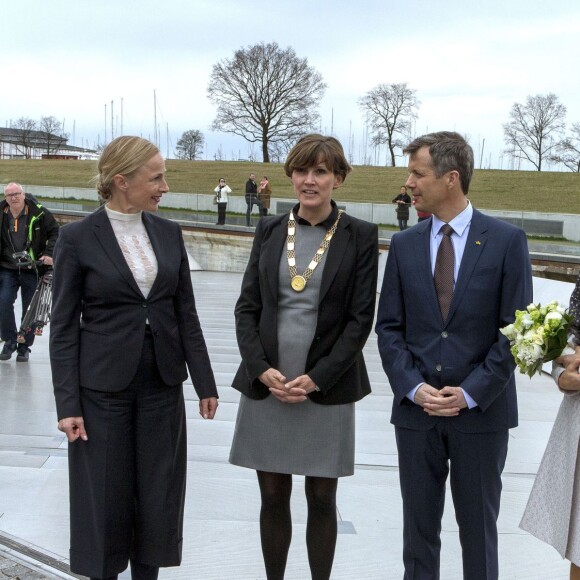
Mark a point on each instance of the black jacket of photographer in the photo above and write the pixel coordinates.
(40, 231)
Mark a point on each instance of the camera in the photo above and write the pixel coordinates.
(23, 259)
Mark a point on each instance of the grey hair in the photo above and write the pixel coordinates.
(449, 152)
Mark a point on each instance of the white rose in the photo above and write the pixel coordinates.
(553, 319)
(509, 331)
(527, 321)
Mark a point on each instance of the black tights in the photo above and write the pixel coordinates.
(276, 523)
(138, 572)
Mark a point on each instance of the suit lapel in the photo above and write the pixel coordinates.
(422, 255)
(476, 240)
(272, 249)
(335, 254)
(106, 237)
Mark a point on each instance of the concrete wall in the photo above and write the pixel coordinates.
(218, 253)
(380, 213)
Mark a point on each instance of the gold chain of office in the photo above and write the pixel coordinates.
(297, 281)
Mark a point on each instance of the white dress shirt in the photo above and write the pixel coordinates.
(460, 224)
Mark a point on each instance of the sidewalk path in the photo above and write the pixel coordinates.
(221, 525)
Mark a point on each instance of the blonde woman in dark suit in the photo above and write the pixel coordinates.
(301, 324)
(124, 332)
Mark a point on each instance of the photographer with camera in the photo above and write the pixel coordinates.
(28, 233)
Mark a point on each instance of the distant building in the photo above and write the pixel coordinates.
(24, 144)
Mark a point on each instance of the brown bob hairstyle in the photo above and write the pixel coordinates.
(314, 149)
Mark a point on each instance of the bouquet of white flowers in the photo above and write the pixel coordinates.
(538, 335)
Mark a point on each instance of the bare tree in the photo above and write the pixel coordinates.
(534, 130)
(279, 151)
(568, 151)
(265, 95)
(53, 136)
(190, 145)
(389, 110)
(25, 138)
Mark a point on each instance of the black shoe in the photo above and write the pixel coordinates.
(22, 353)
(7, 350)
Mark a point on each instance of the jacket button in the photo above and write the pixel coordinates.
(144, 304)
(444, 334)
(438, 368)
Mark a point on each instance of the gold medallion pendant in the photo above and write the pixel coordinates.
(298, 283)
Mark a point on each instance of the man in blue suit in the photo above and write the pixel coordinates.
(449, 367)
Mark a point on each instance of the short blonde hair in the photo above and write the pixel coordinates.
(313, 149)
(122, 156)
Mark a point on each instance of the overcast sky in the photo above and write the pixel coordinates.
(469, 62)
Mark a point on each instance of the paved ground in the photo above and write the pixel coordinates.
(221, 526)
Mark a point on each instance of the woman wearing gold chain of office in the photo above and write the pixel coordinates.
(302, 319)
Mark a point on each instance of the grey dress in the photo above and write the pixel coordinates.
(302, 438)
(553, 510)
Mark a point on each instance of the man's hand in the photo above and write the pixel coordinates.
(208, 407)
(73, 428)
(46, 260)
(446, 402)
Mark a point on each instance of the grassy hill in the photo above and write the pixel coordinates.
(554, 192)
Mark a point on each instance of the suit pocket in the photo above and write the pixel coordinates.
(484, 279)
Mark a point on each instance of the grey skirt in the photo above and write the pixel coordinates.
(301, 439)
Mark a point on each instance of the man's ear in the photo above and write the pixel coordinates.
(453, 178)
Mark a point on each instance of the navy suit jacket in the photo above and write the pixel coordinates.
(345, 311)
(99, 313)
(467, 350)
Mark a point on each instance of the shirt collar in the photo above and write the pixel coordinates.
(327, 223)
(23, 213)
(459, 223)
(123, 217)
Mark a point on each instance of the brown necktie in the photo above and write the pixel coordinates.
(444, 270)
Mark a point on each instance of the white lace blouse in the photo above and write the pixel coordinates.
(136, 247)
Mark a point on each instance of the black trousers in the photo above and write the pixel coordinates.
(10, 281)
(221, 208)
(252, 200)
(475, 462)
(127, 482)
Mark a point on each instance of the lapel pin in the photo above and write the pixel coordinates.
(478, 243)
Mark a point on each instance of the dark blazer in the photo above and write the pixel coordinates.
(467, 350)
(402, 210)
(345, 312)
(99, 314)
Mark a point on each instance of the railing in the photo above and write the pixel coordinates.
(561, 231)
